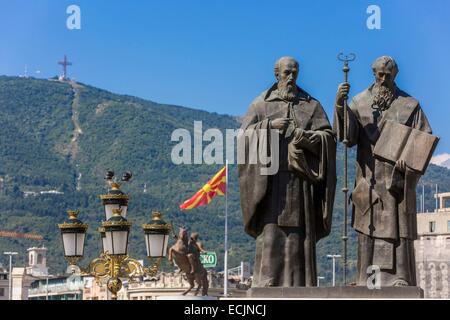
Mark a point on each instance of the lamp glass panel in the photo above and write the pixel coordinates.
(156, 245)
(106, 245)
(166, 242)
(117, 241)
(80, 243)
(69, 240)
(109, 210)
(73, 244)
(147, 245)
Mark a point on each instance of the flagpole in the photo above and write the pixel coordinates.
(225, 272)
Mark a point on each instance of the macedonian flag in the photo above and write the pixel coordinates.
(215, 186)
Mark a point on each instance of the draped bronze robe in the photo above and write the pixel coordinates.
(288, 212)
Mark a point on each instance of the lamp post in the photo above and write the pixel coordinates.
(46, 287)
(114, 262)
(156, 237)
(73, 233)
(10, 254)
(334, 257)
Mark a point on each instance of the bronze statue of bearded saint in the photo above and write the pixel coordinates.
(288, 211)
(384, 195)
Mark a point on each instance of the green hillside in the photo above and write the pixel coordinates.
(38, 152)
(54, 133)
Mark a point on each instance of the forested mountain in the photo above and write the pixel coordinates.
(63, 136)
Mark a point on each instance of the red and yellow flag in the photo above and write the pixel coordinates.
(215, 186)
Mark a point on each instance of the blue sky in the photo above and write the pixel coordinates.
(218, 55)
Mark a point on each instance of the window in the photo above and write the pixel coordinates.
(448, 226)
(447, 243)
(39, 259)
(432, 226)
(2, 292)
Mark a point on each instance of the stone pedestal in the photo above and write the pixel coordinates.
(336, 293)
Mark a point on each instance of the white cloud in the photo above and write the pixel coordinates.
(442, 160)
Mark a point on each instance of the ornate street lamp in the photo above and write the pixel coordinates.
(114, 262)
(156, 236)
(73, 235)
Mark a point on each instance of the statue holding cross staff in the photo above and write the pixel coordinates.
(384, 194)
(346, 59)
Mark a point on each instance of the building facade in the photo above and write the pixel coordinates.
(93, 290)
(23, 277)
(4, 283)
(21, 283)
(37, 262)
(57, 288)
(432, 250)
(173, 284)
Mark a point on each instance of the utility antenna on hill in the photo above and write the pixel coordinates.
(65, 63)
(2, 185)
(78, 188)
(25, 72)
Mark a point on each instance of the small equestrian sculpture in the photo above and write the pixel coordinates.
(186, 254)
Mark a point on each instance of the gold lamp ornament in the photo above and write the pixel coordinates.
(114, 264)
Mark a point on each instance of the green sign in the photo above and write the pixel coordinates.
(208, 259)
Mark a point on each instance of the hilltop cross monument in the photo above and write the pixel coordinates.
(65, 63)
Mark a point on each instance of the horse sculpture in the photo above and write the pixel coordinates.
(186, 255)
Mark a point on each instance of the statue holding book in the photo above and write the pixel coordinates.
(394, 147)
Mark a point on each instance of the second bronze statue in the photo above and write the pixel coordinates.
(384, 195)
(289, 211)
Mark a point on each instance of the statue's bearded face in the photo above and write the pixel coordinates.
(384, 88)
(287, 79)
